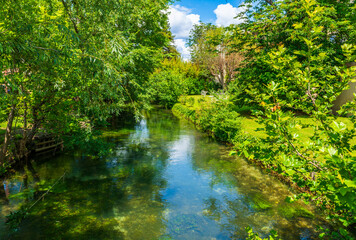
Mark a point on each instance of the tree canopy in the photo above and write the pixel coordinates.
(67, 64)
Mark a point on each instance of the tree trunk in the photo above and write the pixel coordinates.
(35, 126)
(29, 135)
(23, 141)
(7, 134)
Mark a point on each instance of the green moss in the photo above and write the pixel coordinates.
(118, 133)
(259, 202)
(183, 223)
(165, 238)
(293, 210)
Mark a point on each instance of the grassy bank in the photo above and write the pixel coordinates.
(189, 106)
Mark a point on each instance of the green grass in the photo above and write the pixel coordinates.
(250, 124)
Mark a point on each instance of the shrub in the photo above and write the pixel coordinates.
(174, 79)
(217, 119)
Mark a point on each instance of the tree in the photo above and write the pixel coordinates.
(173, 79)
(211, 49)
(269, 26)
(72, 61)
(297, 54)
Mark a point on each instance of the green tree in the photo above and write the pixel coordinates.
(68, 64)
(211, 50)
(173, 79)
(296, 61)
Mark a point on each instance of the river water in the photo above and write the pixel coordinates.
(163, 179)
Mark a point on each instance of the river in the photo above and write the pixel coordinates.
(163, 179)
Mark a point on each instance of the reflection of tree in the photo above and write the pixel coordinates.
(212, 208)
(258, 204)
(163, 126)
(3, 195)
(209, 156)
(32, 171)
(117, 196)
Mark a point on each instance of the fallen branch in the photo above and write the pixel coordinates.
(46, 191)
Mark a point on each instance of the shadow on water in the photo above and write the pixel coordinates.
(163, 180)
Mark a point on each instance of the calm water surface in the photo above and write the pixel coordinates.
(163, 180)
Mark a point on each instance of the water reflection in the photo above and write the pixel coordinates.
(163, 180)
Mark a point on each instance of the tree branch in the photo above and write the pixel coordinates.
(70, 16)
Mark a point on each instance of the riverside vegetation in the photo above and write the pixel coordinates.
(295, 59)
(69, 66)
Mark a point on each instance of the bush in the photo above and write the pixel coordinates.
(165, 87)
(216, 118)
(223, 123)
(174, 79)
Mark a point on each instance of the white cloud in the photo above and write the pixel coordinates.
(184, 51)
(226, 13)
(181, 20)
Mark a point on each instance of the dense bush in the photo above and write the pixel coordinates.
(166, 87)
(184, 111)
(215, 118)
(220, 121)
(175, 78)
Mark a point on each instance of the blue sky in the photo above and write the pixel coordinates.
(205, 8)
(184, 14)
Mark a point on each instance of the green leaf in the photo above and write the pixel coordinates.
(343, 191)
(232, 153)
(332, 151)
(350, 183)
(290, 172)
(298, 25)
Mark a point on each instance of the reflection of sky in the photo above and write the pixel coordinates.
(138, 137)
(141, 133)
(188, 191)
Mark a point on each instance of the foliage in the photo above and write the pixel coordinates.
(215, 118)
(254, 236)
(297, 62)
(173, 79)
(72, 63)
(211, 50)
(14, 219)
(272, 24)
(4, 168)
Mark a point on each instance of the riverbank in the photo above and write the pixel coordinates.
(250, 136)
(188, 106)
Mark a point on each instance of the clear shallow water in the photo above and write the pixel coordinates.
(163, 180)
